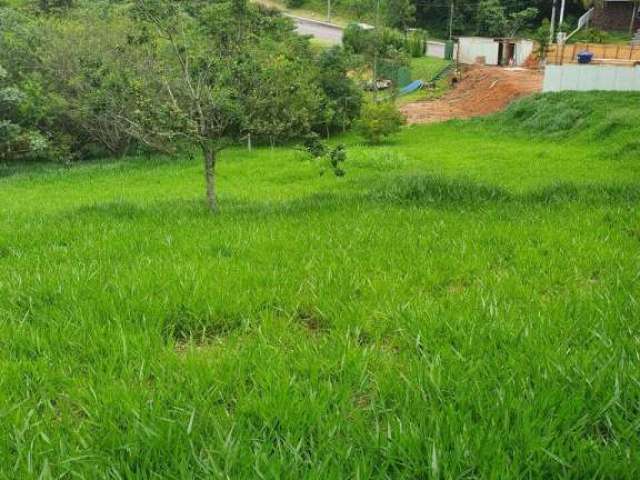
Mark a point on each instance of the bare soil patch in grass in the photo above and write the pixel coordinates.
(480, 91)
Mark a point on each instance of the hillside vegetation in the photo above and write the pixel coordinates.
(462, 304)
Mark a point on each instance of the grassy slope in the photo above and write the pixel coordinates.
(463, 304)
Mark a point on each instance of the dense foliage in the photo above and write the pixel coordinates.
(485, 17)
(16, 140)
(81, 79)
(379, 121)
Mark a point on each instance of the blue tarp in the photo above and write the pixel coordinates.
(412, 87)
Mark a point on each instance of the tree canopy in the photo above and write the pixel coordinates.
(107, 78)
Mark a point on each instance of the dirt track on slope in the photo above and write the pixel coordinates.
(481, 91)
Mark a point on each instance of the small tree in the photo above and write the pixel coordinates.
(343, 98)
(379, 120)
(194, 76)
(541, 36)
(201, 57)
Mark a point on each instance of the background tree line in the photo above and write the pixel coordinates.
(483, 17)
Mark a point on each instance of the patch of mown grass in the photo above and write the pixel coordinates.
(463, 304)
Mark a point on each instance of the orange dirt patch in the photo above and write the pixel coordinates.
(480, 91)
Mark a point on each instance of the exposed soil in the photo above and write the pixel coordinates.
(481, 91)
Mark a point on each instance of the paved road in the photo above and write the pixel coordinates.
(321, 30)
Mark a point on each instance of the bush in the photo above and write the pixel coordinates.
(356, 39)
(17, 142)
(364, 41)
(342, 97)
(392, 39)
(592, 35)
(416, 43)
(379, 121)
(332, 158)
(295, 3)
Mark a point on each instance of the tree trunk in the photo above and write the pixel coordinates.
(210, 176)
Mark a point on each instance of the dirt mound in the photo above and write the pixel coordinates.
(480, 91)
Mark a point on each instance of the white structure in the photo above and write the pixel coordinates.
(591, 77)
(437, 49)
(523, 50)
(494, 51)
(473, 48)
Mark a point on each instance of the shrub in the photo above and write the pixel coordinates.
(416, 43)
(356, 39)
(392, 39)
(541, 36)
(16, 141)
(379, 121)
(342, 97)
(593, 35)
(331, 158)
(364, 41)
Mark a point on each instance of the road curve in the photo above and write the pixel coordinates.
(326, 32)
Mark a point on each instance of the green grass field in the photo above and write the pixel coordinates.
(463, 304)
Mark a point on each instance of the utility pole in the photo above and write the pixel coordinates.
(634, 14)
(553, 22)
(451, 22)
(560, 22)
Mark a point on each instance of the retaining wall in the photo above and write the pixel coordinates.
(591, 77)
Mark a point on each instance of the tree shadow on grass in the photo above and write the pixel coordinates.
(401, 190)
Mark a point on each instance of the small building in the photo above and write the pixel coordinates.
(494, 51)
(615, 15)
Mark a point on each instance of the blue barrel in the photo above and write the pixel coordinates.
(585, 57)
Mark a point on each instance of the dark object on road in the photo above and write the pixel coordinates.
(585, 57)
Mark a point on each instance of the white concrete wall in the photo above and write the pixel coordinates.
(473, 47)
(435, 49)
(591, 77)
(524, 48)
